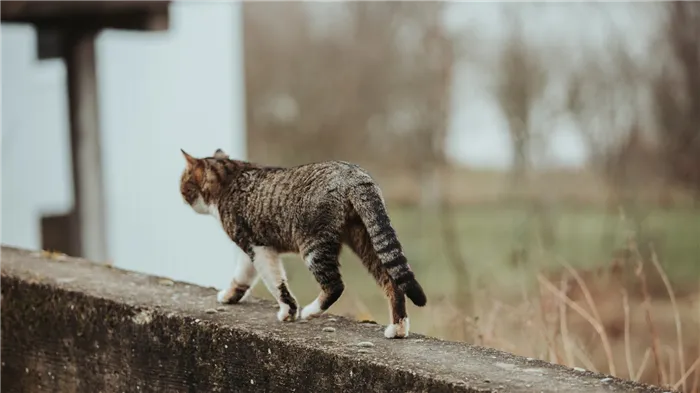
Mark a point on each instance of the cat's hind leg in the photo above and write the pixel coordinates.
(358, 240)
(244, 279)
(269, 265)
(399, 326)
(322, 259)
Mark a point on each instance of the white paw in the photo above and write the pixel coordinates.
(312, 310)
(397, 330)
(283, 314)
(222, 296)
(226, 296)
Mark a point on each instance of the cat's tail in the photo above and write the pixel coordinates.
(367, 200)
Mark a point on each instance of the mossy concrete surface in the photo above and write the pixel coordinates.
(69, 325)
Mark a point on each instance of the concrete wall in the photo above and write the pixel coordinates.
(73, 326)
(158, 92)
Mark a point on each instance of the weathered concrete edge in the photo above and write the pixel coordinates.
(65, 313)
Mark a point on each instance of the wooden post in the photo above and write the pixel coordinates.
(87, 227)
(67, 29)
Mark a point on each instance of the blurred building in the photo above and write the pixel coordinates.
(156, 92)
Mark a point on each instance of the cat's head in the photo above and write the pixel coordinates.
(203, 178)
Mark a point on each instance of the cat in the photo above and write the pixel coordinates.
(313, 210)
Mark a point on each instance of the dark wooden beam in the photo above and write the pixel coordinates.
(56, 19)
(82, 231)
(49, 43)
(88, 15)
(57, 234)
(87, 217)
(23, 9)
(68, 29)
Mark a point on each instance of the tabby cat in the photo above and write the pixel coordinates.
(311, 210)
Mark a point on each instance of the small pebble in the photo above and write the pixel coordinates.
(487, 380)
(362, 350)
(210, 311)
(365, 344)
(332, 319)
(166, 282)
(328, 329)
(579, 369)
(222, 308)
(605, 380)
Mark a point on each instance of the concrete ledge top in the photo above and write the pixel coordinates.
(71, 302)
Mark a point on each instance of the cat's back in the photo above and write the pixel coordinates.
(311, 185)
(316, 174)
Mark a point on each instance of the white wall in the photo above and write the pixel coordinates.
(35, 155)
(159, 92)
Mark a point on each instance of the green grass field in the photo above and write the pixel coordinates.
(489, 236)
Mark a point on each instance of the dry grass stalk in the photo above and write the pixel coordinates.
(684, 377)
(642, 366)
(491, 322)
(553, 353)
(589, 299)
(563, 326)
(583, 357)
(595, 323)
(628, 350)
(671, 354)
(676, 314)
(639, 272)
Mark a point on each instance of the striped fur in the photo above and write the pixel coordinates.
(312, 210)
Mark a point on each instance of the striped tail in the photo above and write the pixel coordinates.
(366, 199)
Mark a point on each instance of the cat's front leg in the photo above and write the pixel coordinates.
(244, 279)
(269, 265)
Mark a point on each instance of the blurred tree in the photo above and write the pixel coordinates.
(605, 100)
(677, 95)
(522, 81)
(359, 81)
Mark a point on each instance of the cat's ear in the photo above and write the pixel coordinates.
(220, 154)
(191, 161)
